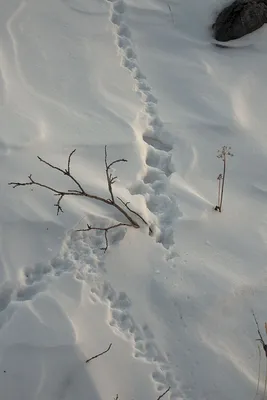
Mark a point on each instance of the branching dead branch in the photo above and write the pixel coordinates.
(124, 209)
(98, 355)
(96, 228)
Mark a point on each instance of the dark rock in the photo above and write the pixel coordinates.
(239, 19)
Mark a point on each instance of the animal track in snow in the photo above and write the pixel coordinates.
(80, 254)
(80, 251)
(155, 189)
(144, 343)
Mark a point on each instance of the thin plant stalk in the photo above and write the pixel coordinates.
(265, 382)
(259, 373)
(223, 181)
(222, 154)
(219, 191)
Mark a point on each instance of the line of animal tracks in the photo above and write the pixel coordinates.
(154, 185)
(80, 252)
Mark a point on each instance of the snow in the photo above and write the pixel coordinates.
(143, 78)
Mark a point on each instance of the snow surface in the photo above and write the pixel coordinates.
(142, 77)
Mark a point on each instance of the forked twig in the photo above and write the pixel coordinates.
(98, 355)
(96, 228)
(110, 178)
(124, 209)
(264, 346)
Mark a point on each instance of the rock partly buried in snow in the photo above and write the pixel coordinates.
(239, 19)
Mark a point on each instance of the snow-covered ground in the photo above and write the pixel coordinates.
(141, 77)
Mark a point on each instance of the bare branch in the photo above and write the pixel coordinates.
(32, 182)
(73, 151)
(51, 165)
(257, 324)
(64, 171)
(111, 179)
(264, 346)
(59, 208)
(163, 394)
(98, 355)
(96, 228)
(81, 191)
(117, 161)
(126, 204)
(124, 209)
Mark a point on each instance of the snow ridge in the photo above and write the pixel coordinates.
(154, 185)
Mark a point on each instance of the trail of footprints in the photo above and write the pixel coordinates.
(155, 188)
(155, 184)
(80, 252)
(83, 248)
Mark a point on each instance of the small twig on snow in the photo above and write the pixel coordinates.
(163, 394)
(98, 355)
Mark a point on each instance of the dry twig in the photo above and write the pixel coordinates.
(124, 209)
(264, 346)
(163, 394)
(98, 355)
(222, 154)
